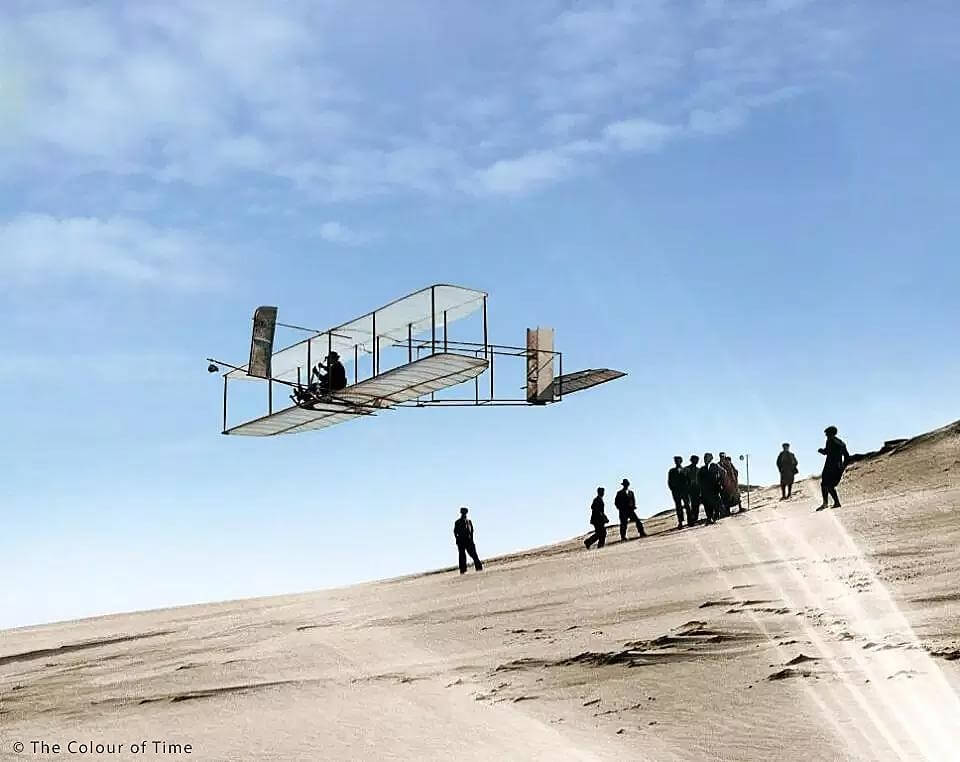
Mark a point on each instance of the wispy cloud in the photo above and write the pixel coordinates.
(716, 122)
(524, 173)
(40, 248)
(201, 93)
(640, 134)
(337, 232)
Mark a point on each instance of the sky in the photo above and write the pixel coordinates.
(747, 205)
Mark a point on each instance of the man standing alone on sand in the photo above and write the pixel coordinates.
(626, 505)
(463, 534)
(787, 466)
(693, 491)
(833, 467)
(710, 478)
(677, 482)
(599, 521)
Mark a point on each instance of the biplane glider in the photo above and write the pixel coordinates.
(402, 355)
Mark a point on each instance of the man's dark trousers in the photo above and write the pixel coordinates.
(626, 517)
(711, 506)
(599, 536)
(681, 502)
(464, 547)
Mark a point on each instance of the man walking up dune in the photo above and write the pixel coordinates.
(677, 482)
(626, 505)
(833, 467)
(463, 534)
(599, 521)
(787, 466)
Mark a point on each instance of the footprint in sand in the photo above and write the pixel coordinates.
(723, 602)
(787, 673)
(907, 673)
(801, 659)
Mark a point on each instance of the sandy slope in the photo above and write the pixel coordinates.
(779, 634)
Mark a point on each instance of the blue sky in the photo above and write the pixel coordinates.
(749, 206)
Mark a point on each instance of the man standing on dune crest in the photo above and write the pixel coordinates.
(833, 467)
(463, 534)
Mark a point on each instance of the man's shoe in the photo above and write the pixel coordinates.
(822, 507)
(836, 505)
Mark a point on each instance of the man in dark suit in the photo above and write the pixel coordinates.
(693, 491)
(626, 505)
(710, 479)
(833, 467)
(599, 521)
(677, 482)
(463, 534)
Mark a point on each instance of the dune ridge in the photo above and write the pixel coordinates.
(777, 634)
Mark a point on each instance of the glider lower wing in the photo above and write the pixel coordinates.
(408, 382)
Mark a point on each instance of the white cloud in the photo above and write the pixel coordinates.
(336, 232)
(200, 92)
(39, 247)
(640, 134)
(525, 173)
(716, 122)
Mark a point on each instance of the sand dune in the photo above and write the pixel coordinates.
(778, 634)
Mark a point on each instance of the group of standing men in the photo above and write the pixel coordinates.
(715, 486)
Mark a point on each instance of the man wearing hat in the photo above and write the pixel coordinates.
(334, 379)
(693, 491)
(833, 467)
(787, 466)
(463, 534)
(677, 482)
(710, 479)
(626, 505)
